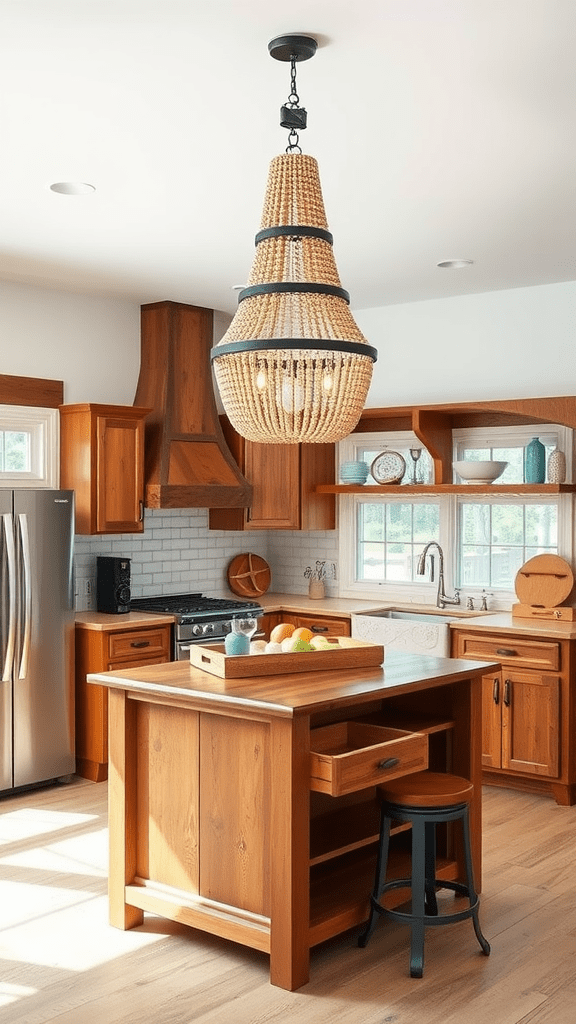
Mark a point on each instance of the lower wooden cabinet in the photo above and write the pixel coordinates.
(521, 722)
(323, 625)
(528, 710)
(99, 650)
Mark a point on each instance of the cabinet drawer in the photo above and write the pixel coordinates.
(327, 627)
(137, 644)
(509, 650)
(348, 756)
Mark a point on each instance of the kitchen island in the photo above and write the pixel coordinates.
(224, 813)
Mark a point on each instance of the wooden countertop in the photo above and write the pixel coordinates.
(296, 694)
(504, 622)
(131, 620)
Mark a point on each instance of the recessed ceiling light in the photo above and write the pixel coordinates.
(454, 264)
(72, 188)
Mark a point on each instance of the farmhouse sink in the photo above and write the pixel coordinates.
(415, 632)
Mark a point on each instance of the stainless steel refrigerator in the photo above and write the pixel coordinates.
(36, 637)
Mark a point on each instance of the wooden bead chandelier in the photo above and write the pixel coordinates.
(293, 365)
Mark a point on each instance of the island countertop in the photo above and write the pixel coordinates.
(299, 693)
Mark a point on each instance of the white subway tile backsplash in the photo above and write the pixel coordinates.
(177, 553)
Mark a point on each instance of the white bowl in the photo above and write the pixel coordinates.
(484, 472)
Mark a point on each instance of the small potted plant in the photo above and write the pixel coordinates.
(317, 577)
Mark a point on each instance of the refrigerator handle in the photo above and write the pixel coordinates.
(27, 594)
(11, 559)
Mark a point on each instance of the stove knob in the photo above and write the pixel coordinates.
(209, 628)
(197, 630)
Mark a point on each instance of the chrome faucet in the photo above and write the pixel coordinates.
(441, 598)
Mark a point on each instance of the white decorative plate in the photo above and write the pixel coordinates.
(388, 468)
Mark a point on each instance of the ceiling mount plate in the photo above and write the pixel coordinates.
(290, 48)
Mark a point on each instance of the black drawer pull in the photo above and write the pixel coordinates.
(507, 693)
(140, 643)
(319, 629)
(389, 762)
(506, 652)
(496, 690)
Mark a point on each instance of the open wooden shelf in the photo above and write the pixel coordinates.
(433, 426)
(401, 489)
(340, 891)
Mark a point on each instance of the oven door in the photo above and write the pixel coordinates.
(183, 642)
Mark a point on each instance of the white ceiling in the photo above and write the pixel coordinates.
(443, 128)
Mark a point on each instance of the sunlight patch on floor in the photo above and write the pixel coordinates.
(85, 854)
(11, 993)
(28, 822)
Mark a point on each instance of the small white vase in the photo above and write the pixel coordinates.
(316, 590)
(556, 467)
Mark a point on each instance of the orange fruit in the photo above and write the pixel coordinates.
(281, 631)
(303, 633)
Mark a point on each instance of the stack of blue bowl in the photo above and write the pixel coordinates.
(354, 472)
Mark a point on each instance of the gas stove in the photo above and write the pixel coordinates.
(197, 619)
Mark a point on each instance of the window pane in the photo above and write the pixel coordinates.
(497, 538)
(426, 523)
(391, 536)
(507, 524)
(14, 451)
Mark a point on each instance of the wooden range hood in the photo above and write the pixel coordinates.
(187, 463)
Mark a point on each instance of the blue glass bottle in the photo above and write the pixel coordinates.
(534, 462)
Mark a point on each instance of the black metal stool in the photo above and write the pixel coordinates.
(424, 799)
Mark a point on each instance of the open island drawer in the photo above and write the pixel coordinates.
(349, 756)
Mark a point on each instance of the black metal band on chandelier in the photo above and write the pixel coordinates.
(295, 231)
(289, 287)
(357, 348)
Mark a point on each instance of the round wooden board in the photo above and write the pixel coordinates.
(249, 575)
(544, 581)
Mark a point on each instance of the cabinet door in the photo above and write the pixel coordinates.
(492, 693)
(120, 475)
(273, 470)
(531, 723)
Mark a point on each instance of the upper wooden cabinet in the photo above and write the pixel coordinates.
(102, 460)
(283, 478)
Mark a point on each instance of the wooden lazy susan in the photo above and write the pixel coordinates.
(249, 575)
(542, 584)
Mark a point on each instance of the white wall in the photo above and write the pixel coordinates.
(508, 344)
(90, 343)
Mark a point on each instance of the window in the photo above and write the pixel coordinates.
(485, 538)
(29, 455)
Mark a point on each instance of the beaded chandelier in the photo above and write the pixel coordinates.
(293, 365)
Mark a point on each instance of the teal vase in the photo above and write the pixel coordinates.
(534, 462)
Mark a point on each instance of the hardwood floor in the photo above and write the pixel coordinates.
(61, 962)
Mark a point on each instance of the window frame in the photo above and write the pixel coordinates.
(43, 425)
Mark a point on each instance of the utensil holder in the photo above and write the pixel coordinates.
(316, 590)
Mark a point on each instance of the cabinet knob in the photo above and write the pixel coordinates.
(389, 762)
(319, 629)
(496, 690)
(507, 692)
(506, 652)
(140, 643)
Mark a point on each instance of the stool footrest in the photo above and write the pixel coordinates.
(427, 919)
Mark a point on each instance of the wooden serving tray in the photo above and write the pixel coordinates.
(346, 653)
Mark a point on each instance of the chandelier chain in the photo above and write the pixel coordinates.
(294, 116)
